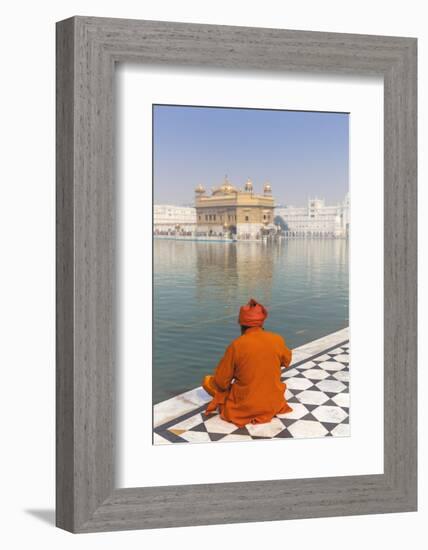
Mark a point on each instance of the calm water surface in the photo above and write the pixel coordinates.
(199, 287)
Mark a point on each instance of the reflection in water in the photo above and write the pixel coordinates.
(199, 286)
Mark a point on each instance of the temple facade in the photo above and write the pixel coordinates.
(239, 213)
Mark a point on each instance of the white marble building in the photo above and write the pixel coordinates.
(169, 218)
(315, 219)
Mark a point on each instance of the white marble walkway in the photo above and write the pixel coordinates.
(317, 390)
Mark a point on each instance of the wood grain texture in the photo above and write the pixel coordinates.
(87, 50)
(64, 276)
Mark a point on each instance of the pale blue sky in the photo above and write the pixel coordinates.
(302, 154)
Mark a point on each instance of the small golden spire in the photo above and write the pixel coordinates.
(267, 189)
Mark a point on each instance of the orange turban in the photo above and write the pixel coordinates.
(252, 314)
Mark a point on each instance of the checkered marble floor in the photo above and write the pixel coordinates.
(317, 390)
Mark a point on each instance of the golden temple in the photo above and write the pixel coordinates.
(229, 210)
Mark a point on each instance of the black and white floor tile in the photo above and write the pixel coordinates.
(317, 390)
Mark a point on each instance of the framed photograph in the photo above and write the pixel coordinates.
(236, 212)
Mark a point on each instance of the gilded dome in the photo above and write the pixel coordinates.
(199, 189)
(226, 188)
(248, 185)
(267, 188)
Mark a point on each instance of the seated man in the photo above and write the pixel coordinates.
(246, 385)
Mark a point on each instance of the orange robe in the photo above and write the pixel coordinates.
(246, 385)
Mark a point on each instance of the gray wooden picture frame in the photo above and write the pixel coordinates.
(87, 51)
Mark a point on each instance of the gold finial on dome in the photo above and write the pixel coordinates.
(248, 185)
(200, 189)
(267, 189)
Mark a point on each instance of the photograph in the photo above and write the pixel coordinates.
(206, 207)
(251, 231)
